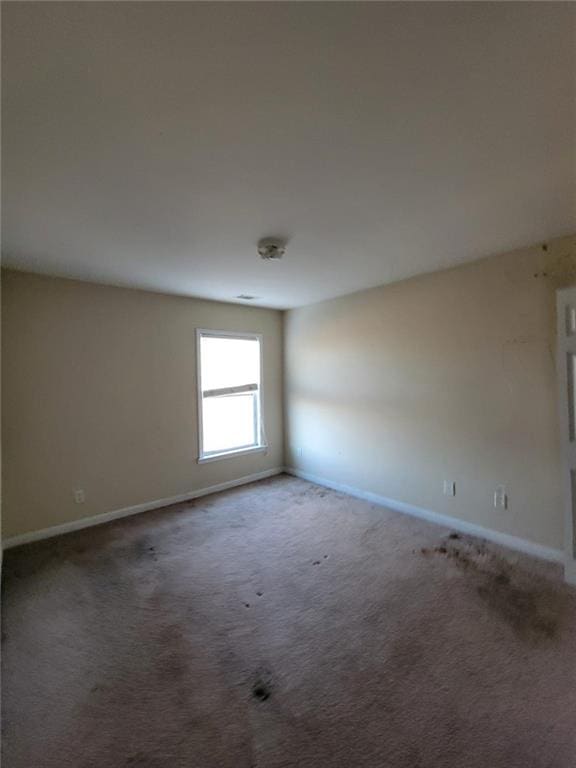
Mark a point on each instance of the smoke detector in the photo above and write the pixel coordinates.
(271, 248)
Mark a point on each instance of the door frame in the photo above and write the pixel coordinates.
(565, 347)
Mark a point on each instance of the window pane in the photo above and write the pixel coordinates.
(229, 362)
(229, 422)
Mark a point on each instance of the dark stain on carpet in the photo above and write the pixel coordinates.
(532, 609)
(140, 760)
(261, 690)
(525, 610)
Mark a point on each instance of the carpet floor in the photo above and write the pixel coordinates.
(282, 624)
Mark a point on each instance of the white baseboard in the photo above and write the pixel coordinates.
(116, 514)
(504, 539)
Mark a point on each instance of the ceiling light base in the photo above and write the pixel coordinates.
(271, 249)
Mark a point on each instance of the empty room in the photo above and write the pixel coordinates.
(288, 407)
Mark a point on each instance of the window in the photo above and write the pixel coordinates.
(229, 372)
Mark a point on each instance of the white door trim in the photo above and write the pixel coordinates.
(566, 346)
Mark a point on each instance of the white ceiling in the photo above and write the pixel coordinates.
(152, 144)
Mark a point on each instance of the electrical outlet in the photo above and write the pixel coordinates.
(500, 498)
(79, 497)
(449, 488)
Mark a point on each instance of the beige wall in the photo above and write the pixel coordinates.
(391, 390)
(99, 393)
(446, 376)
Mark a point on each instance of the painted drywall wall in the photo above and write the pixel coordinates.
(99, 393)
(449, 376)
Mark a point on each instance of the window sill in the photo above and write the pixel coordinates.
(230, 454)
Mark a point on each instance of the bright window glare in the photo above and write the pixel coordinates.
(230, 420)
(229, 423)
(229, 362)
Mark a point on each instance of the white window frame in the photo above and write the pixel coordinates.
(260, 446)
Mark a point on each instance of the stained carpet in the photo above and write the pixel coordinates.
(282, 624)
